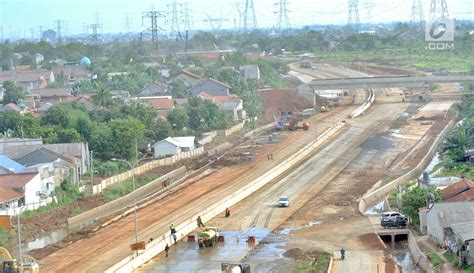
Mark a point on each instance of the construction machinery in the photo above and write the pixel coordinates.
(207, 236)
(291, 123)
(324, 108)
(9, 265)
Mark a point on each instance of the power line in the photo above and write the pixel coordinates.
(153, 15)
(187, 20)
(249, 15)
(353, 20)
(94, 37)
(127, 23)
(438, 9)
(174, 17)
(417, 14)
(283, 21)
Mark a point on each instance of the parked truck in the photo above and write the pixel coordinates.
(9, 265)
(292, 124)
(207, 236)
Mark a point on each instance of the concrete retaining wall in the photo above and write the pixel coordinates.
(209, 137)
(125, 201)
(154, 248)
(260, 129)
(220, 148)
(144, 168)
(371, 199)
(231, 130)
(359, 111)
(418, 256)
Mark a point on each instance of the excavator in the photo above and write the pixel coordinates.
(9, 265)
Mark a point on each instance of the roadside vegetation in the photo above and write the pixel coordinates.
(319, 265)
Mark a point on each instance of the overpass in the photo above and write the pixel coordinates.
(386, 82)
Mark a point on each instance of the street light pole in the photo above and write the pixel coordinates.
(19, 237)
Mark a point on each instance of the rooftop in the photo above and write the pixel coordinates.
(52, 92)
(15, 181)
(161, 104)
(464, 230)
(11, 165)
(454, 212)
(452, 191)
(7, 194)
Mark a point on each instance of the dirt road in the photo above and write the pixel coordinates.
(101, 250)
(359, 262)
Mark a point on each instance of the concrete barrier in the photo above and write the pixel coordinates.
(220, 148)
(419, 257)
(371, 199)
(124, 201)
(359, 111)
(260, 129)
(208, 138)
(131, 263)
(231, 130)
(144, 168)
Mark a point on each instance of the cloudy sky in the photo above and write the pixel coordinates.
(24, 17)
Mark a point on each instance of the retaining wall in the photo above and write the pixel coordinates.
(419, 257)
(371, 199)
(260, 129)
(154, 248)
(220, 148)
(231, 130)
(144, 168)
(125, 201)
(208, 139)
(359, 111)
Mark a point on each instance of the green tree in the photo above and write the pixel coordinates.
(102, 140)
(13, 93)
(125, 133)
(417, 198)
(160, 130)
(103, 97)
(58, 115)
(178, 89)
(68, 135)
(458, 141)
(178, 118)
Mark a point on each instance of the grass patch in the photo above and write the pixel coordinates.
(469, 269)
(449, 256)
(319, 265)
(123, 188)
(5, 236)
(435, 259)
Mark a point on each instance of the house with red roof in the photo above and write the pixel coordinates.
(462, 190)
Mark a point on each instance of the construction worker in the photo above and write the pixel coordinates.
(343, 253)
(172, 229)
(227, 212)
(199, 222)
(174, 237)
(167, 248)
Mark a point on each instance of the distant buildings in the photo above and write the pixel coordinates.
(173, 146)
(250, 71)
(212, 87)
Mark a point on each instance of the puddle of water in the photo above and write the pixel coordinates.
(44, 241)
(404, 259)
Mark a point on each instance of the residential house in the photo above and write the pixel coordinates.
(8, 165)
(462, 190)
(50, 164)
(34, 79)
(212, 87)
(183, 64)
(10, 198)
(234, 107)
(74, 73)
(436, 219)
(121, 94)
(173, 146)
(44, 108)
(180, 102)
(460, 241)
(31, 187)
(52, 95)
(250, 72)
(17, 148)
(188, 78)
(11, 107)
(38, 58)
(162, 104)
(154, 89)
(469, 156)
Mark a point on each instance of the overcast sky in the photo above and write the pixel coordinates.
(21, 17)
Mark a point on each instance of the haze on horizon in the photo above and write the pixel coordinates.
(23, 18)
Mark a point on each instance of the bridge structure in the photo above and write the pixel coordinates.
(386, 82)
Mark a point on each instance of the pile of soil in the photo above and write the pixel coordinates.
(300, 255)
(276, 100)
(372, 240)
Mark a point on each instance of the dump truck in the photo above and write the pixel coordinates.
(291, 124)
(9, 265)
(207, 236)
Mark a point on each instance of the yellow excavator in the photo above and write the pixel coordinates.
(9, 265)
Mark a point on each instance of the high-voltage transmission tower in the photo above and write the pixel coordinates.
(369, 5)
(187, 17)
(59, 24)
(127, 22)
(153, 15)
(283, 21)
(174, 17)
(94, 37)
(438, 9)
(250, 19)
(353, 21)
(417, 14)
(240, 13)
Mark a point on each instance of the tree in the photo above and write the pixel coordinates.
(125, 133)
(160, 130)
(178, 89)
(68, 135)
(458, 141)
(417, 198)
(101, 140)
(13, 93)
(178, 118)
(58, 115)
(103, 97)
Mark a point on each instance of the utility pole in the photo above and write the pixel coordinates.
(153, 15)
(283, 21)
(353, 20)
(58, 31)
(174, 17)
(187, 20)
(438, 9)
(92, 172)
(249, 16)
(94, 37)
